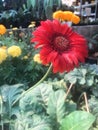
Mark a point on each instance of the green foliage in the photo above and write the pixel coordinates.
(93, 104)
(8, 94)
(26, 11)
(56, 106)
(77, 120)
(86, 75)
(22, 69)
(45, 108)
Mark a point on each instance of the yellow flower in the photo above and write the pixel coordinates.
(14, 51)
(3, 55)
(31, 25)
(2, 29)
(58, 15)
(3, 47)
(33, 22)
(36, 58)
(75, 19)
(10, 32)
(25, 57)
(15, 28)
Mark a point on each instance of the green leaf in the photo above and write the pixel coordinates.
(34, 122)
(36, 99)
(82, 81)
(11, 92)
(84, 71)
(56, 105)
(77, 120)
(90, 80)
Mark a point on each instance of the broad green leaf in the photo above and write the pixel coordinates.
(56, 105)
(77, 120)
(36, 99)
(11, 92)
(32, 122)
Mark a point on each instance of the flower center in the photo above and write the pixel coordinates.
(61, 43)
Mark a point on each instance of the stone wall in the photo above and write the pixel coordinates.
(88, 31)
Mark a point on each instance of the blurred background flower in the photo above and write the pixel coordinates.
(2, 29)
(14, 51)
(3, 55)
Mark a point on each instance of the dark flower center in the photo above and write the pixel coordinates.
(61, 43)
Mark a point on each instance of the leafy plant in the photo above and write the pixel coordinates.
(8, 94)
(45, 108)
(84, 77)
(77, 120)
(21, 69)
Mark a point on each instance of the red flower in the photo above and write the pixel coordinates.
(60, 45)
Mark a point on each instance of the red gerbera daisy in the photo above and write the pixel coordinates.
(60, 45)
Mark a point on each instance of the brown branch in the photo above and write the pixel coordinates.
(86, 102)
(68, 91)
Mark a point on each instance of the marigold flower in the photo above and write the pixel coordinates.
(60, 45)
(75, 19)
(59, 15)
(3, 55)
(68, 15)
(31, 26)
(15, 28)
(25, 57)
(4, 47)
(37, 59)
(14, 51)
(10, 32)
(2, 29)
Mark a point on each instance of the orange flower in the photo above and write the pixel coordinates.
(2, 29)
(75, 19)
(58, 15)
(68, 15)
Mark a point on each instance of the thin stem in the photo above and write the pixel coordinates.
(68, 91)
(79, 100)
(85, 99)
(34, 86)
(86, 102)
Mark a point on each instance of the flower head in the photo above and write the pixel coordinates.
(37, 59)
(59, 15)
(3, 55)
(2, 29)
(75, 19)
(60, 45)
(14, 51)
(67, 16)
(3, 47)
(15, 28)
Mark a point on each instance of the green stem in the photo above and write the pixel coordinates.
(34, 86)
